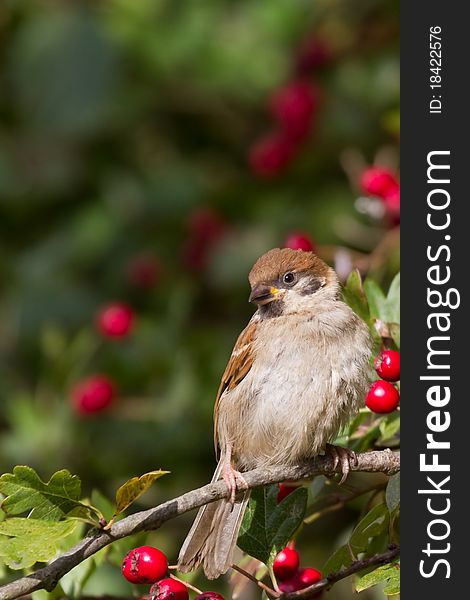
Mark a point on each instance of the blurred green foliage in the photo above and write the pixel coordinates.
(119, 121)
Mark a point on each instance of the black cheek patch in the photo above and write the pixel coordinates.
(272, 309)
(313, 286)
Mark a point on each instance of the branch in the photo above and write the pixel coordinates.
(385, 461)
(355, 567)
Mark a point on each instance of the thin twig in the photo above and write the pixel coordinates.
(186, 583)
(259, 583)
(355, 567)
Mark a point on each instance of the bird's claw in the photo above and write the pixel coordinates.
(234, 481)
(342, 456)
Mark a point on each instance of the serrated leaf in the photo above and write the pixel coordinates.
(51, 501)
(386, 573)
(23, 542)
(268, 526)
(134, 488)
(371, 525)
(392, 493)
(354, 295)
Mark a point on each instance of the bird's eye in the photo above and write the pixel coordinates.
(288, 278)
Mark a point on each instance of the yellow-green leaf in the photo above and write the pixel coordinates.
(134, 488)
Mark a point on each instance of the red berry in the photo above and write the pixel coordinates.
(115, 320)
(209, 596)
(309, 576)
(143, 270)
(271, 155)
(144, 565)
(378, 181)
(391, 201)
(293, 106)
(387, 365)
(285, 490)
(167, 589)
(382, 397)
(93, 394)
(302, 579)
(286, 563)
(299, 241)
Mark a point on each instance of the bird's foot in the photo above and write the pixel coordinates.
(234, 481)
(342, 456)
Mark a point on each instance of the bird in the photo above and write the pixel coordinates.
(295, 377)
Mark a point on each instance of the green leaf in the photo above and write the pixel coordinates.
(134, 488)
(268, 526)
(74, 581)
(50, 501)
(56, 594)
(385, 308)
(24, 542)
(395, 333)
(389, 427)
(393, 300)
(376, 299)
(370, 526)
(338, 560)
(354, 295)
(385, 573)
(103, 504)
(365, 435)
(392, 493)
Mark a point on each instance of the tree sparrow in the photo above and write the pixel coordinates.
(296, 376)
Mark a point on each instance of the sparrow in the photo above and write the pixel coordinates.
(295, 377)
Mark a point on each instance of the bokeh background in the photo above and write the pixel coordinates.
(144, 160)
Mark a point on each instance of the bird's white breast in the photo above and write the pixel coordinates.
(304, 384)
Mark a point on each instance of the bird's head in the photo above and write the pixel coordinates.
(285, 281)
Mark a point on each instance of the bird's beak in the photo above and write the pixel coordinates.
(263, 294)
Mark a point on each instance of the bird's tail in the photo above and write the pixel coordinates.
(213, 535)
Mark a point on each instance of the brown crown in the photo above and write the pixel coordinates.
(272, 265)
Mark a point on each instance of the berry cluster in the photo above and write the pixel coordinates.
(292, 108)
(148, 565)
(383, 397)
(290, 577)
(96, 393)
(381, 183)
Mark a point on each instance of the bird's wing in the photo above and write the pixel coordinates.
(237, 369)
